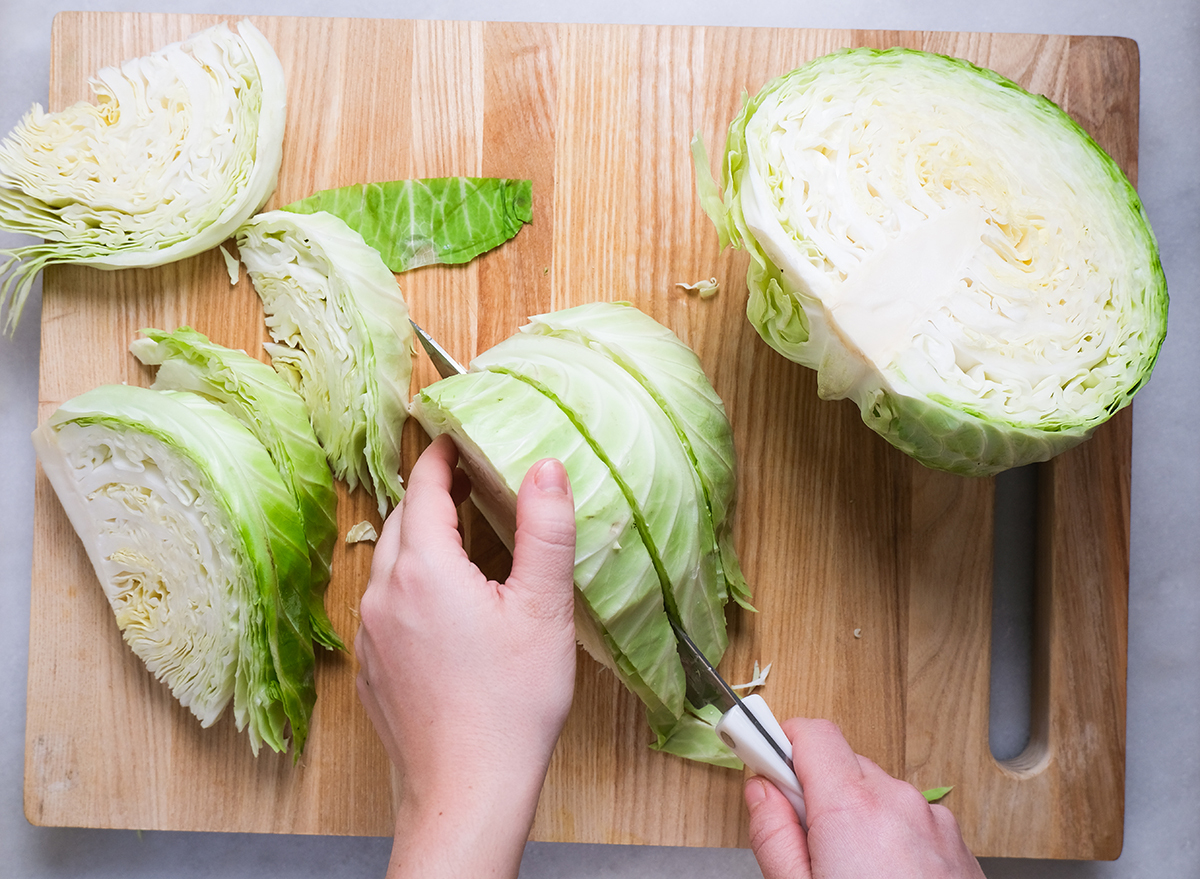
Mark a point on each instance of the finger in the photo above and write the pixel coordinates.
(825, 764)
(779, 843)
(544, 545)
(429, 515)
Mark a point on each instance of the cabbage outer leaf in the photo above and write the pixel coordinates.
(198, 546)
(342, 339)
(414, 223)
(178, 150)
(953, 253)
(257, 396)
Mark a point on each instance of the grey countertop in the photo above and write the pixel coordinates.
(1162, 818)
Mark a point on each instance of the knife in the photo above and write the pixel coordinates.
(747, 725)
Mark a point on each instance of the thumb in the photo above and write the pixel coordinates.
(780, 845)
(544, 546)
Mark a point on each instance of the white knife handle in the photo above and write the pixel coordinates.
(740, 733)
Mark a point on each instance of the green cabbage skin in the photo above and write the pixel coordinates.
(199, 547)
(951, 252)
(178, 150)
(257, 396)
(342, 339)
(616, 409)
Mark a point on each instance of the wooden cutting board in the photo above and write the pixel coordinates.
(872, 575)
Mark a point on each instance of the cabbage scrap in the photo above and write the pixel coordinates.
(199, 548)
(256, 395)
(178, 150)
(342, 339)
(951, 252)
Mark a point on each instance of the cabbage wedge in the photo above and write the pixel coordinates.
(178, 150)
(951, 252)
(199, 548)
(257, 396)
(624, 404)
(342, 339)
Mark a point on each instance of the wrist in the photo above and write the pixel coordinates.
(472, 828)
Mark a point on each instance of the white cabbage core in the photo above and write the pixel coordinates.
(165, 556)
(960, 248)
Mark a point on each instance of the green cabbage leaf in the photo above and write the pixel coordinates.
(414, 223)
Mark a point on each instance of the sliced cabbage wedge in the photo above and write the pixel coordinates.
(503, 426)
(179, 148)
(672, 374)
(199, 548)
(951, 252)
(342, 339)
(649, 461)
(256, 395)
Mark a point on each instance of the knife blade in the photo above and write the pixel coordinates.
(747, 725)
(445, 365)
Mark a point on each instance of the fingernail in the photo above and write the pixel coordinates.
(551, 477)
(755, 792)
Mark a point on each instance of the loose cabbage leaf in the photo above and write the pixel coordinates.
(198, 546)
(342, 339)
(178, 150)
(414, 223)
(951, 252)
(256, 395)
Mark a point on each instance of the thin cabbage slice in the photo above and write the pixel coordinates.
(198, 546)
(256, 395)
(672, 374)
(954, 254)
(639, 445)
(179, 149)
(342, 339)
(502, 426)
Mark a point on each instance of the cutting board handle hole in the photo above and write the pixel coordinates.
(1014, 610)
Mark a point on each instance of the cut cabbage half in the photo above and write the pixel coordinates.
(951, 252)
(198, 546)
(178, 150)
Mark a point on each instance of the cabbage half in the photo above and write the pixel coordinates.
(954, 254)
(198, 546)
(257, 396)
(342, 339)
(178, 150)
(648, 448)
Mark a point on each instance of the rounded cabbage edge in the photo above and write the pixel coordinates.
(264, 175)
(966, 444)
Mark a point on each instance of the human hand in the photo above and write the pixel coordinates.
(862, 822)
(468, 681)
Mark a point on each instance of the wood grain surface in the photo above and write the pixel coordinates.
(872, 575)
